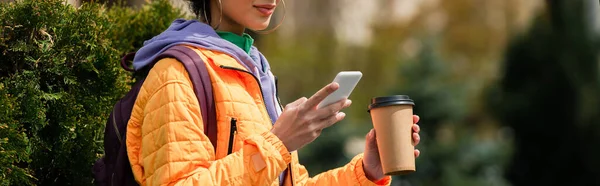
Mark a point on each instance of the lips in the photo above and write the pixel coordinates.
(265, 9)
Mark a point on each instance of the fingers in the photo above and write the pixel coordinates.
(296, 103)
(416, 128)
(332, 119)
(416, 138)
(315, 99)
(416, 119)
(417, 153)
(332, 109)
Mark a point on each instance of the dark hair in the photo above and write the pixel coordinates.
(198, 8)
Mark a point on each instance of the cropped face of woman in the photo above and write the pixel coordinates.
(239, 14)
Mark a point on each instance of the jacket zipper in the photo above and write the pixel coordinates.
(278, 102)
(262, 97)
(276, 86)
(291, 173)
(232, 131)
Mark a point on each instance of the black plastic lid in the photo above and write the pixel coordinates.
(390, 100)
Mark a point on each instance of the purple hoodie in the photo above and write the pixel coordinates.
(201, 35)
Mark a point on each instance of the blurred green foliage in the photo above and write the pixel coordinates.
(453, 153)
(59, 78)
(131, 27)
(550, 95)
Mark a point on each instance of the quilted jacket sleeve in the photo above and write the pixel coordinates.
(350, 174)
(167, 146)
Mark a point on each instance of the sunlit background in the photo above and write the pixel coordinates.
(508, 90)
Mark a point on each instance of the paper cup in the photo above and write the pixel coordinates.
(392, 118)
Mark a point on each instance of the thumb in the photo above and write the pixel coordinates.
(373, 133)
(371, 139)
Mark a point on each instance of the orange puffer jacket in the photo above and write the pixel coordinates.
(167, 145)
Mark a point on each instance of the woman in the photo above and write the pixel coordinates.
(165, 140)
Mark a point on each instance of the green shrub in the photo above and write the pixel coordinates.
(549, 94)
(131, 28)
(59, 78)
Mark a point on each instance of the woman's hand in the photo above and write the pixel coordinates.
(301, 122)
(371, 161)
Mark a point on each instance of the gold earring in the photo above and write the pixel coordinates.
(275, 28)
(206, 17)
(220, 16)
(204, 11)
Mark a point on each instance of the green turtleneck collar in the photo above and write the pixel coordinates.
(244, 41)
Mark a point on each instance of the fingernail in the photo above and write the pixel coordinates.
(348, 102)
(341, 114)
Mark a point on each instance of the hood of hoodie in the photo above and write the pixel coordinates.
(201, 35)
(190, 32)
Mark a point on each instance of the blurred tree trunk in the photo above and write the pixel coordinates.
(75, 3)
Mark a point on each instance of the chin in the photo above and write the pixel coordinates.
(259, 25)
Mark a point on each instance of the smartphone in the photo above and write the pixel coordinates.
(347, 81)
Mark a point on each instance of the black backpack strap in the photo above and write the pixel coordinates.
(198, 73)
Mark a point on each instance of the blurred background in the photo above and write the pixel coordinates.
(508, 91)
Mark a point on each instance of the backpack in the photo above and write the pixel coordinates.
(114, 168)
